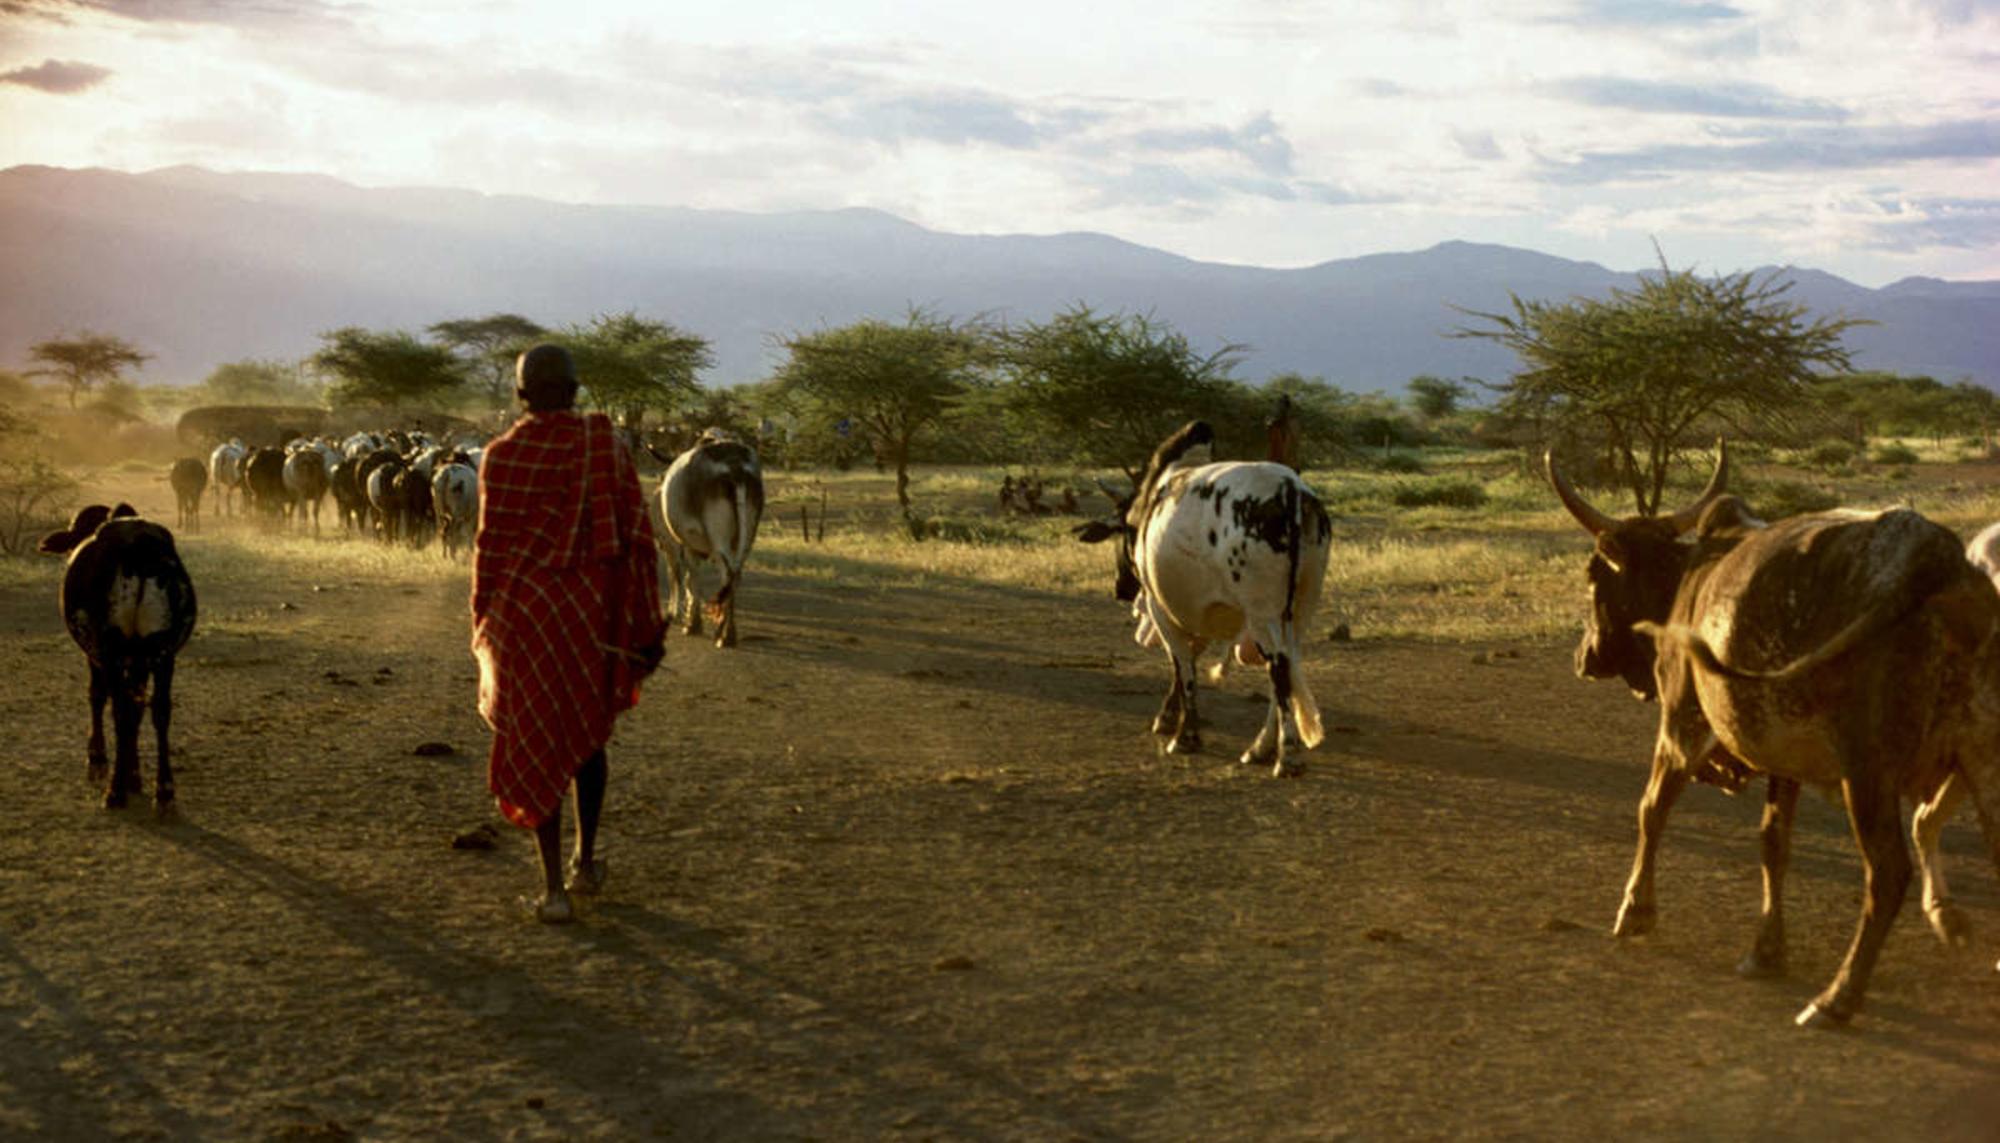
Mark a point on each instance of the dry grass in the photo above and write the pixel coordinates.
(1510, 569)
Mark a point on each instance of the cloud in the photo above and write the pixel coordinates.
(58, 77)
(1648, 14)
(1478, 145)
(231, 13)
(1725, 100)
(1260, 141)
(1817, 149)
(953, 118)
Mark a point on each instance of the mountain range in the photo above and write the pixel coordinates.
(199, 268)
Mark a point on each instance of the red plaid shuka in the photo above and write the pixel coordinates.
(565, 595)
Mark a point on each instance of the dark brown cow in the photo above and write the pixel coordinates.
(130, 606)
(1847, 649)
(189, 478)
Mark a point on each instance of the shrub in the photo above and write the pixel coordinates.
(1792, 497)
(1440, 492)
(1828, 455)
(1402, 462)
(983, 531)
(1894, 454)
(34, 500)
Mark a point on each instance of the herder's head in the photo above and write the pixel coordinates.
(545, 379)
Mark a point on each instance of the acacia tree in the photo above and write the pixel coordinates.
(1649, 369)
(392, 368)
(894, 382)
(490, 343)
(85, 360)
(253, 382)
(629, 365)
(1111, 386)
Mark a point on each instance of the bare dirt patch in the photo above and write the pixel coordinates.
(906, 865)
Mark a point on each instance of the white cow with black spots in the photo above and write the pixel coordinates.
(1223, 552)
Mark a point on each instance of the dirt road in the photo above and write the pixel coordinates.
(906, 865)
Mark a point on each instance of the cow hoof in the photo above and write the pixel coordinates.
(166, 811)
(96, 771)
(1634, 921)
(1949, 923)
(1185, 744)
(1760, 966)
(114, 799)
(1287, 769)
(1821, 1019)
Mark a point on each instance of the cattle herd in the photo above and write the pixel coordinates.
(395, 487)
(1854, 651)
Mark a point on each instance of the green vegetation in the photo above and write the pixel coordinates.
(86, 360)
(1642, 375)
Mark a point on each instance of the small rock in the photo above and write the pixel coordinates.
(953, 964)
(1385, 936)
(1558, 925)
(481, 837)
(536, 1103)
(1481, 658)
(288, 607)
(1340, 634)
(434, 749)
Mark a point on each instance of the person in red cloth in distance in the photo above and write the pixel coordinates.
(566, 616)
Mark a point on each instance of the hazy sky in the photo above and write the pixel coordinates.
(1857, 136)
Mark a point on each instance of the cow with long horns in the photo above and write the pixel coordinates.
(1846, 649)
(1229, 553)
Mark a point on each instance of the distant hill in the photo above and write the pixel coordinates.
(199, 268)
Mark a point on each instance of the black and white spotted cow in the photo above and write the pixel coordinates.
(1229, 553)
(711, 499)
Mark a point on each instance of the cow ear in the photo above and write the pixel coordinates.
(1612, 551)
(124, 509)
(1094, 531)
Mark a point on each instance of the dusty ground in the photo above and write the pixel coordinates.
(906, 865)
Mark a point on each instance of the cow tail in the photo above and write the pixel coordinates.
(732, 552)
(1864, 628)
(1288, 679)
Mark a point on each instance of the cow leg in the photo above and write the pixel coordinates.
(1638, 912)
(126, 712)
(1169, 717)
(1926, 825)
(1875, 811)
(1187, 734)
(681, 568)
(1781, 801)
(1270, 744)
(163, 713)
(97, 763)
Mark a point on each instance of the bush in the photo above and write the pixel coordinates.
(1894, 454)
(983, 531)
(1827, 455)
(1440, 492)
(34, 500)
(1403, 462)
(1792, 497)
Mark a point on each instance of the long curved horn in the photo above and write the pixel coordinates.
(1718, 483)
(1594, 521)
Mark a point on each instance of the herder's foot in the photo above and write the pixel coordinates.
(587, 881)
(549, 908)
